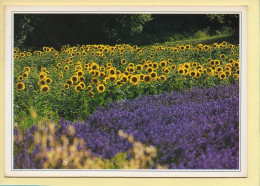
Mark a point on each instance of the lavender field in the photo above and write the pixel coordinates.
(190, 129)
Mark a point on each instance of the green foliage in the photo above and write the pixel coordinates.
(201, 34)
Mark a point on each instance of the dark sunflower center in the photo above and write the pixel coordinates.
(20, 86)
(45, 89)
(134, 79)
(101, 88)
(147, 78)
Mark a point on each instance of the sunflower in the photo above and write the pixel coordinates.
(20, 86)
(112, 78)
(193, 73)
(27, 69)
(66, 86)
(224, 43)
(118, 72)
(222, 56)
(42, 75)
(74, 78)
(22, 54)
(149, 69)
(182, 47)
(82, 78)
(228, 73)
(131, 69)
(78, 67)
(80, 73)
(170, 60)
(78, 88)
(181, 71)
(139, 67)
(163, 78)
(198, 74)
(112, 71)
(222, 75)
(206, 47)
(20, 78)
(123, 61)
(212, 62)
(91, 94)
(59, 65)
(109, 65)
(155, 65)
(153, 75)
(166, 71)
(163, 63)
(134, 79)
(69, 82)
(194, 64)
(102, 74)
(102, 69)
(187, 47)
(231, 60)
(236, 76)
(89, 88)
(25, 74)
(173, 67)
(82, 84)
(147, 78)
(101, 88)
(94, 66)
(219, 69)
(42, 82)
(186, 65)
(66, 68)
(131, 64)
(124, 78)
(45, 88)
(48, 80)
(94, 81)
(236, 64)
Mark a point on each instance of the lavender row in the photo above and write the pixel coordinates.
(194, 129)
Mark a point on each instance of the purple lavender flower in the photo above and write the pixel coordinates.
(193, 129)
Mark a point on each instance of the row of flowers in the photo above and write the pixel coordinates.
(193, 129)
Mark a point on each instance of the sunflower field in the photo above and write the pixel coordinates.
(123, 107)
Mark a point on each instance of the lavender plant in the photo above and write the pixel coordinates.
(193, 129)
